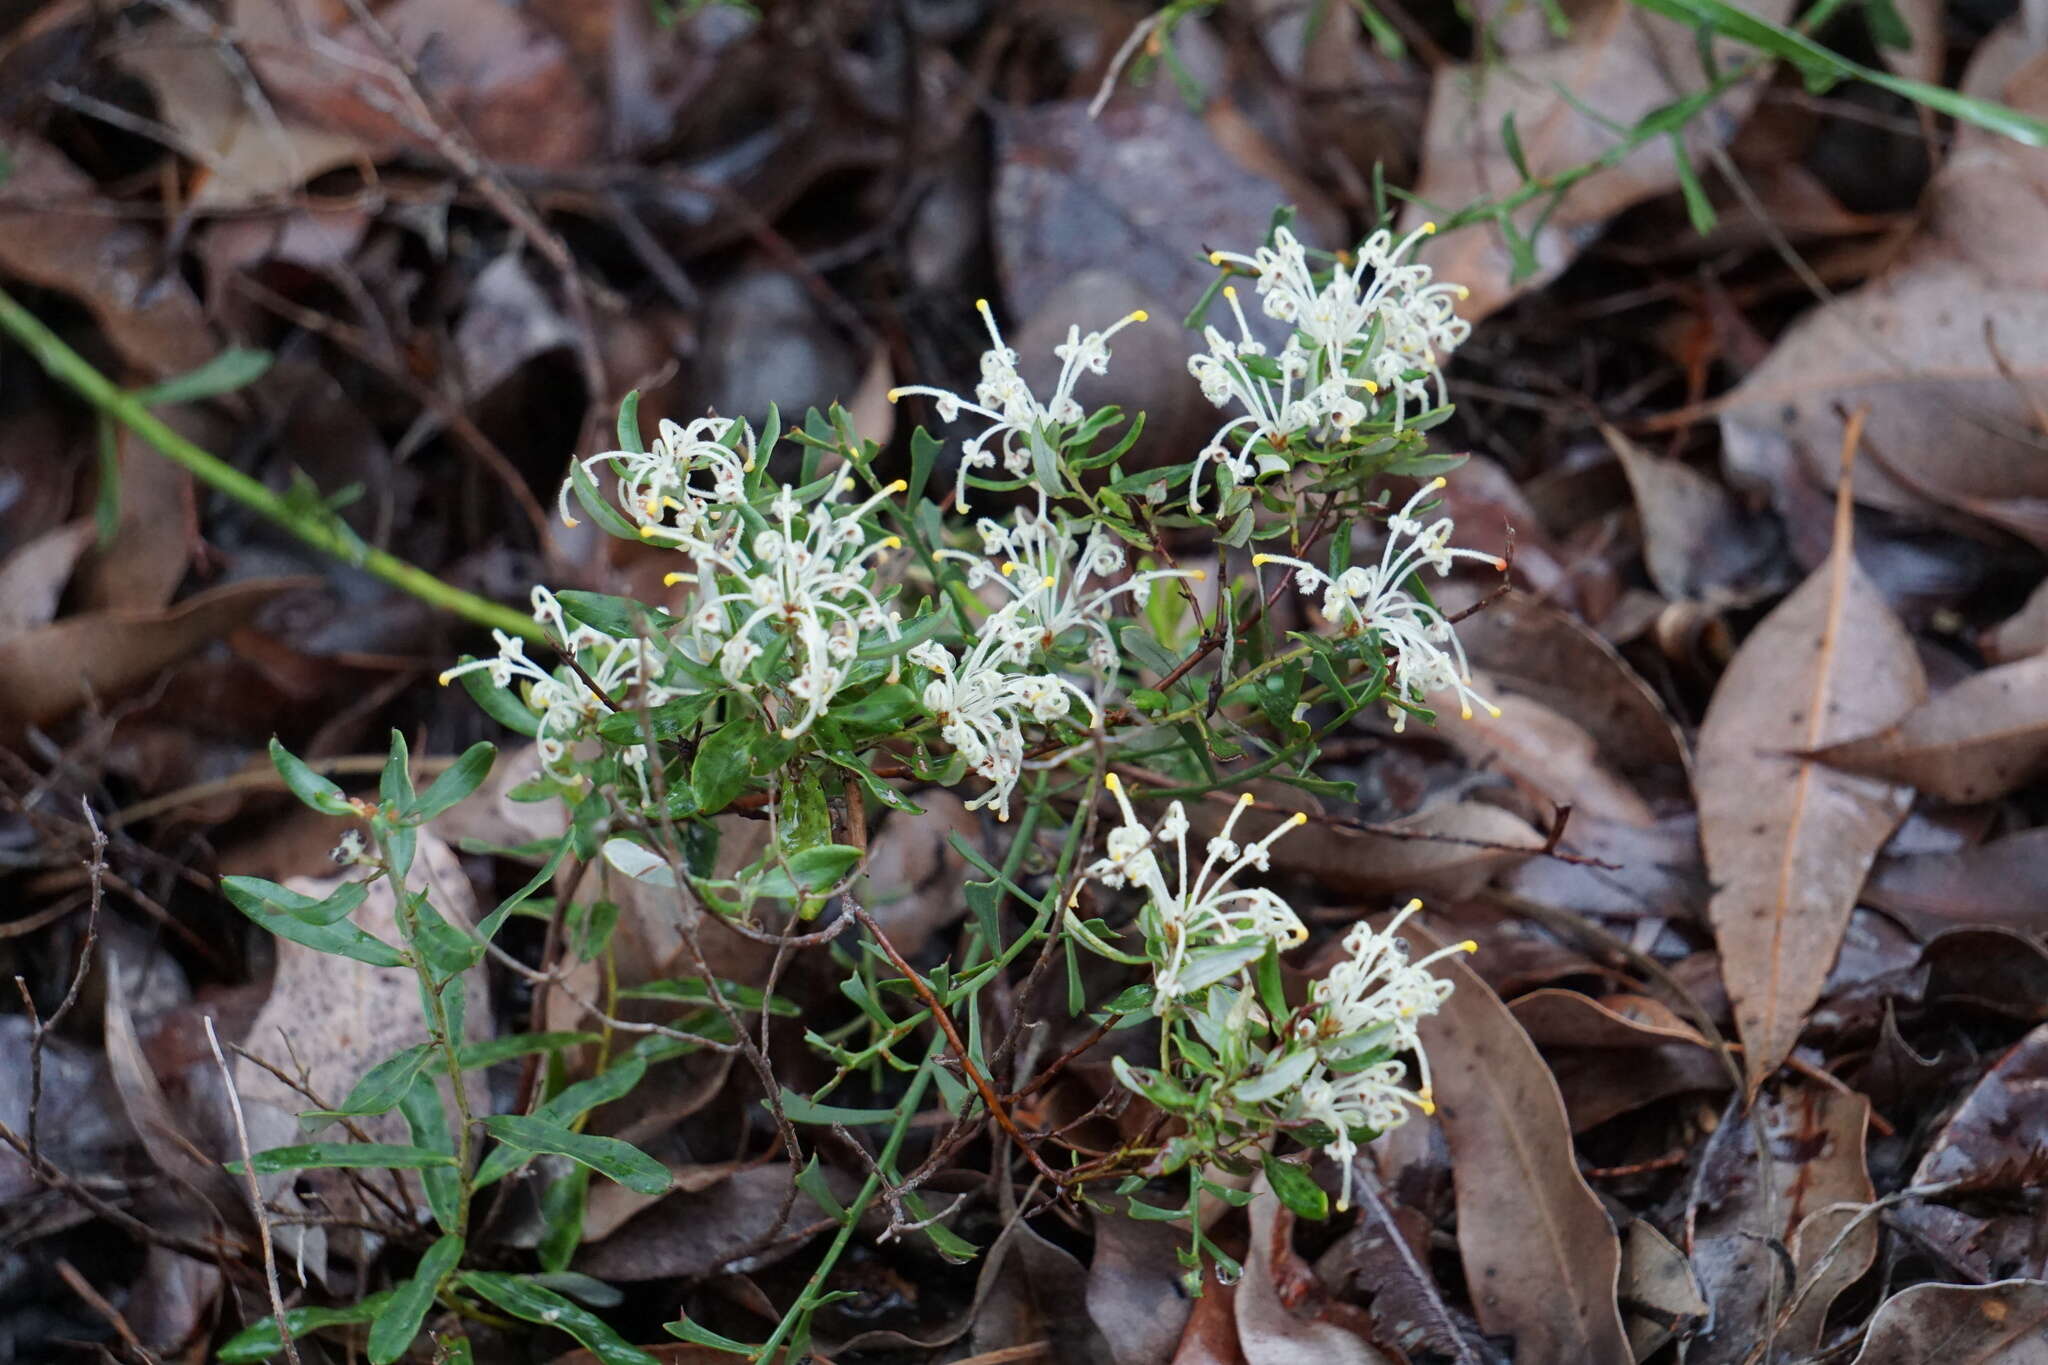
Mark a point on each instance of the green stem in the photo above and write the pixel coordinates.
(329, 536)
(906, 1110)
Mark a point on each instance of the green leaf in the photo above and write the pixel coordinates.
(524, 1299)
(724, 764)
(355, 1156)
(1152, 1213)
(384, 1084)
(924, 455)
(704, 1336)
(500, 704)
(491, 1051)
(821, 868)
(617, 1161)
(910, 633)
(398, 1322)
(487, 929)
(562, 1205)
(427, 1121)
(670, 720)
(879, 712)
(802, 1109)
(811, 1180)
(1296, 1188)
(615, 1082)
(234, 368)
(619, 617)
(261, 1340)
(311, 788)
(342, 939)
(1511, 140)
(270, 898)
(461, 778)
(629, 424)
(394, 784)
(1697, 206)
(693, 991)
(1276, 1080)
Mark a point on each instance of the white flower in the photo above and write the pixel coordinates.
(1374, 997)
(981, 708)
(1034, 560)
(655, 483)
(1020, 425)
(1201, 911)
(807, 574)
(1427, 654)
(568, 707)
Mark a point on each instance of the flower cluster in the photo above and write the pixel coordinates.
(1197, 929)
(1025, 431)
(800, 582)
(656, 483)
(1427, 655)
(1378, 328)
(570, 701)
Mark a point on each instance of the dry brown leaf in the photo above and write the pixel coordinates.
(157, 526)
(1699, 543)
(1274, 1325)
(1958, 1324)
(1210, 1337)
(1561, 1018)
(2023, 633)
(1922, 58)
(1815, 1137)
(1539, 1251)
(2002, 882)
(1990, 200)
(1998, 1139)
(1620, 63)
(505, 78)
(692, 1234)
(33, 577)
(102, 654)
(1134, 1291)
(112, 265)
(1981, 739)
(1544, 753)
(1788, 841)
(1658, 1285)
(1613, 1056)
(1450, 851)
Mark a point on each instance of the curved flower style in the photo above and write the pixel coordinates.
(981, 708)
(656, 482)
(569, 707)
(807, 573)
(1199, 912)
(1034, 561)
(1017, 421)
(1428, 657)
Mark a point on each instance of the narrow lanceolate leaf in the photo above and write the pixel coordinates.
(609, 1157)
(398, 1322)
(1979, 740)
(323, 1156)
(522, 1298)
(1789, 841)
(1529, 1228)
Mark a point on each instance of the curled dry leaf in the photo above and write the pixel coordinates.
(1699, 543)
(2023, 633)
(1615, 1055)
(1998, 1140)
(1539, 1251)
(1992, 969)
(1638, 873)
(102, 654)
(1134, 1291)
(1660, 1294)
(1281, 1316)
(1788, 841)
(32, 578)
(1977, 741)
(1384, 1258)
(1619, 64)
(1545, 754)
(111, 265)
(691, 1234)
(1956, 1324)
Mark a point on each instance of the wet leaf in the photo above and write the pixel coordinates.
(1535, 1241)
(1977, 741)
(1978, 1324)
(1788, 841)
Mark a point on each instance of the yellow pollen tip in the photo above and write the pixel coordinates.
(1009, 567)
(1296, 819)
(981, 306)
(1493, 711)
(1049, 580)
(1438, 482)
(1464, 713)
(1463, 292)
(1246, 798)
(1469, 946)
(1371, 387)
(1110, 781)
(1199, 575)
(892, 542)
(900, 486)
(1229, 291)
(845, 485)
(1414, 903)
(570, 521)
(1260, 561)
(1428, 228)
(1140, 315)
(1501, 565)
(447, 678)
(1215, 258)
(1428, 1106)
(894, 394)
(670, 580)
(647, 533)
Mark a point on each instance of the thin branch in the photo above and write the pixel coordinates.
(227, 1075)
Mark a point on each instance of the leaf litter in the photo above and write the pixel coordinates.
(1674, 845)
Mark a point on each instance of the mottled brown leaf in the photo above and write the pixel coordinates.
(1788, 841)
(1540, 1254)
(1979, 1324)
(1976, 741)
(2002, 882)
(1999, 1138)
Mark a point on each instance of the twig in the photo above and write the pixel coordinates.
(326, 535)
(284, 1328)
(112, 1315)
(71, 1189)
(96, 867)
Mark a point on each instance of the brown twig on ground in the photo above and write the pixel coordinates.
(111, 1315)
(40, 1029)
